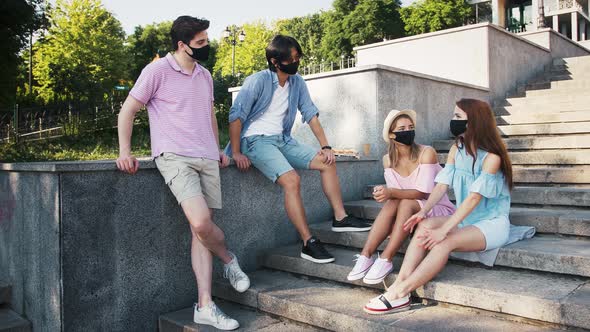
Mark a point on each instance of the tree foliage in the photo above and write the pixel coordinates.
(82, 57)
(146, 43)
(434, 15)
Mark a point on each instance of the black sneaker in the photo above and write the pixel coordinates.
(350, 224)
(314, 251)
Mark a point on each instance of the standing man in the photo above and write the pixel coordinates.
(178, 93)
(261, 119)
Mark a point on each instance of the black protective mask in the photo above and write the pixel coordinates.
(458, 127)
(405, 137)
(290, 69)
(199, 54)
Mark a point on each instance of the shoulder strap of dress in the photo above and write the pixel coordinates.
(424, 147)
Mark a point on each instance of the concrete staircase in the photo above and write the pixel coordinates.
(536, 285)
(10, 321)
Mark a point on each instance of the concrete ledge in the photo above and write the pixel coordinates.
(145, 163)
(391, 69)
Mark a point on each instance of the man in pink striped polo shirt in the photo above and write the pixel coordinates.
(178, 93)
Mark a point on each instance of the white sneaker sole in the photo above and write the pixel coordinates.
(403, 307)
(215, 325)
(350, 229)
(315, 260)
(377, 281)
(358, 276)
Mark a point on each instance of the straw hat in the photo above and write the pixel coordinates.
(392, 116)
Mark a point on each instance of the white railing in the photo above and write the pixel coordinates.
(328, 66)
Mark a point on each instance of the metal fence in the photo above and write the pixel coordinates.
(328, 66)
(50, 121)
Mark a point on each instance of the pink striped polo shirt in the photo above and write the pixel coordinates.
(179, 108)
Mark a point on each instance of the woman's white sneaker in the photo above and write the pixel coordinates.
(360, 269)
(212, 315)
(380, 269)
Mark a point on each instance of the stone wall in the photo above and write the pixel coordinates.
(88, 248)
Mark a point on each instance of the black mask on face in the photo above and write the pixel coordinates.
(290, 69)
(458, 127)
(199, 54)
(405, 137)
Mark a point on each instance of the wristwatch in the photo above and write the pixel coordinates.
(326, 147)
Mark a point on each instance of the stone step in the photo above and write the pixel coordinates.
(543, 157)
(566, 84)
(335, 306)
(576, 116)
(10, 321)
(557, 92)
(534, 110)
(578, 60)
(545, 129)
(565, 221)
(551, 175)
(5, 293)
(551, 298)
(565, 100)
(249, 318)
(533, 195)
(572, 141)
(544, 253)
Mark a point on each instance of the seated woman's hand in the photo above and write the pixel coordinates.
(380, 194)
(414, 220)
(432, 237)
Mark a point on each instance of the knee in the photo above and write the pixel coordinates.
(291, 182)
(406, 204)
(201, 226)
(444, 247)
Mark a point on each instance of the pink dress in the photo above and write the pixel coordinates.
(421, 179)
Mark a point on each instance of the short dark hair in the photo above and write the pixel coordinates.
(279, 48)
(184, 29)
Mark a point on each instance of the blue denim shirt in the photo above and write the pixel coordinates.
(255, 97)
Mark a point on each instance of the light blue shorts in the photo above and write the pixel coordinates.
(496, 231)
(273, 157)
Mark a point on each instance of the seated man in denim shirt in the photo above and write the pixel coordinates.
(261, 119)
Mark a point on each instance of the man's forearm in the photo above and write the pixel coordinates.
(125, 130)
(215, 128)
(235, 130)
(318, 131)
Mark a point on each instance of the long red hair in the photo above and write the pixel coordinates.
(482, 133)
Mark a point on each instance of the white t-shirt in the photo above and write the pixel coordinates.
(271, 120)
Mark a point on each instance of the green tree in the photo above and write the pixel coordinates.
(357, 22)
(82, 57)
(20, 19)
(250, 54)
(146, 42)
(308, 30)
(433, 15)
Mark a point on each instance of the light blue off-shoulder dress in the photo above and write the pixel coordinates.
(491, 214)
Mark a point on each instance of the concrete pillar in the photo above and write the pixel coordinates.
(575, 26)
(555, 22)
(499, 12)
(535, 16)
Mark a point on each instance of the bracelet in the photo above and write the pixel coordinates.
(326, 147)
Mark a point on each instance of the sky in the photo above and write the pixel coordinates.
(220, 13)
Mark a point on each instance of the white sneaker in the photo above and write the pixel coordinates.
(237, 278)
(212, 315)
(360, 269)
(380, 269)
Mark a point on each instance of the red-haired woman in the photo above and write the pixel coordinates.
(479, 171)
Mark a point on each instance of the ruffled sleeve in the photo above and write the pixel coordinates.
(425, 180)
(446, 175)
(489, 185)
(390, 179)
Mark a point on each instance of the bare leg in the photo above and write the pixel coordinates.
(291, 184)
(466, 239)
(381, 227)
(406, 208)
(207, 238)
(331, 185)
(415, 253)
